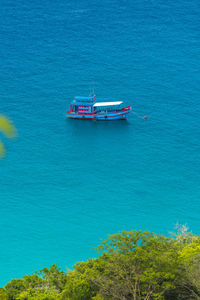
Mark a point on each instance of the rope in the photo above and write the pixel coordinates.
(139, 116)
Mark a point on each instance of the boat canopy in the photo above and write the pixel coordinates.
(107, 103)
(78, 98)
(83, 100)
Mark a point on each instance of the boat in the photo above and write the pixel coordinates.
(87, 108)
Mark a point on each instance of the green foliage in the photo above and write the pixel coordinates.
(44, 285)
(140, 265)
(79, 285)
(14, 288)
(190, 251)
(97, 297)
(54, 277)
(8, 129)
(132, 265)
(3, 294)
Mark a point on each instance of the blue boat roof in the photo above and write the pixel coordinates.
(78, 98)
(83, 100)
(82, 103)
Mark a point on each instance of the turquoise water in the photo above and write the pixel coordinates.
(66, 183)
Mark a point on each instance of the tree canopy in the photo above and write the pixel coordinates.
(131, 265)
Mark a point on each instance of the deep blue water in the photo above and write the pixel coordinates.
(66, 183)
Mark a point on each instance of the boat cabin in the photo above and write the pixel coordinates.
(82, 104)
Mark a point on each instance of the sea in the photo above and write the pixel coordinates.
(66, 184)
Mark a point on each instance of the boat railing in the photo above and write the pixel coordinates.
(112, 110)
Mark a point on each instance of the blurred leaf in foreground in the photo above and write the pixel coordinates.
(8, 129)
